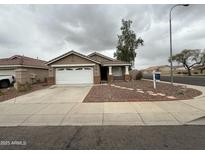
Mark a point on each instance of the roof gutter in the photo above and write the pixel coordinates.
(26, 66)
(69, 53)
(72, 65)
(116, 64)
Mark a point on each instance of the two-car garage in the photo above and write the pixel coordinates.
(74, 75)
(73, 68)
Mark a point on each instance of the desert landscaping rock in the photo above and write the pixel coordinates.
(171, 97)
(150, 92)
(153, 94)
(143, 90)
(122, 87)
(161, 94)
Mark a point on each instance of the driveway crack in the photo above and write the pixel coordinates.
(68, 145)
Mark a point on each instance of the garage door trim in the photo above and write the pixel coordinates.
(74, 75)
(72, 65)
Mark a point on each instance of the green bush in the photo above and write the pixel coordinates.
(23, 87)
(139, 75)
(136, 75)
(1, 93)
(38, 81)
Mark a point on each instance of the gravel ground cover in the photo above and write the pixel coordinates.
(140, 90)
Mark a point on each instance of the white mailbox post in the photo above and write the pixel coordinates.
(156, 77)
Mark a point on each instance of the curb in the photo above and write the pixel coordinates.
(199, 88)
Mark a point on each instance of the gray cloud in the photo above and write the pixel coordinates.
(50, 30)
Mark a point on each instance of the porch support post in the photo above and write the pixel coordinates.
(110, 70)
(110, 77)
(126, 70)
(127, 75)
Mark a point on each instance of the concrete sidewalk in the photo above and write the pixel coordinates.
(59, 106)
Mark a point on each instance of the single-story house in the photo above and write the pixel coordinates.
(35, 68)
(75, 68)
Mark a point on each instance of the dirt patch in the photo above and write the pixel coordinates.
(139, 91)
(11, 92)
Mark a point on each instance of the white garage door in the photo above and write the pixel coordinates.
(77, 75)
(7, 72)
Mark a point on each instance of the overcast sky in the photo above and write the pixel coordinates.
(47, 31)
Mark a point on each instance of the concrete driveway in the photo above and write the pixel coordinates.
(42, 107)
(61, 105)
(55, 94)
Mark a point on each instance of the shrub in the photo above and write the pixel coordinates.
(38, 81)
(1, 93)
(23, 87)
(136, 75)
(46, 80)
(139, 75)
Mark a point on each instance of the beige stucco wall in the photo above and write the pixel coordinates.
(41, 74)
(51, 72)
(97, 70)
(24, 74)
(72, 59)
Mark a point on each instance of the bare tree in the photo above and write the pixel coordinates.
(189, 58)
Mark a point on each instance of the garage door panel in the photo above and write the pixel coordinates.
(74, 76)
(7, 72)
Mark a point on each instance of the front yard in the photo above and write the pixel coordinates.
(140, 90)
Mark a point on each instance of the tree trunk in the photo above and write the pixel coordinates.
(201, 71)
(189, 72)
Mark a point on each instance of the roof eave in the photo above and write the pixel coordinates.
(116, 64)
(69, 53)
(101, 55)
(26, 66)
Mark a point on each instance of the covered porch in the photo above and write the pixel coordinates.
(114, 72)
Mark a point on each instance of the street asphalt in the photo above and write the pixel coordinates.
(103, 137)
(192, 80)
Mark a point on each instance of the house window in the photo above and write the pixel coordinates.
(79, 68)
(60, 69)
(87, 68)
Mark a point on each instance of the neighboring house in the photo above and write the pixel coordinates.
(75, 68)
(36, 69)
